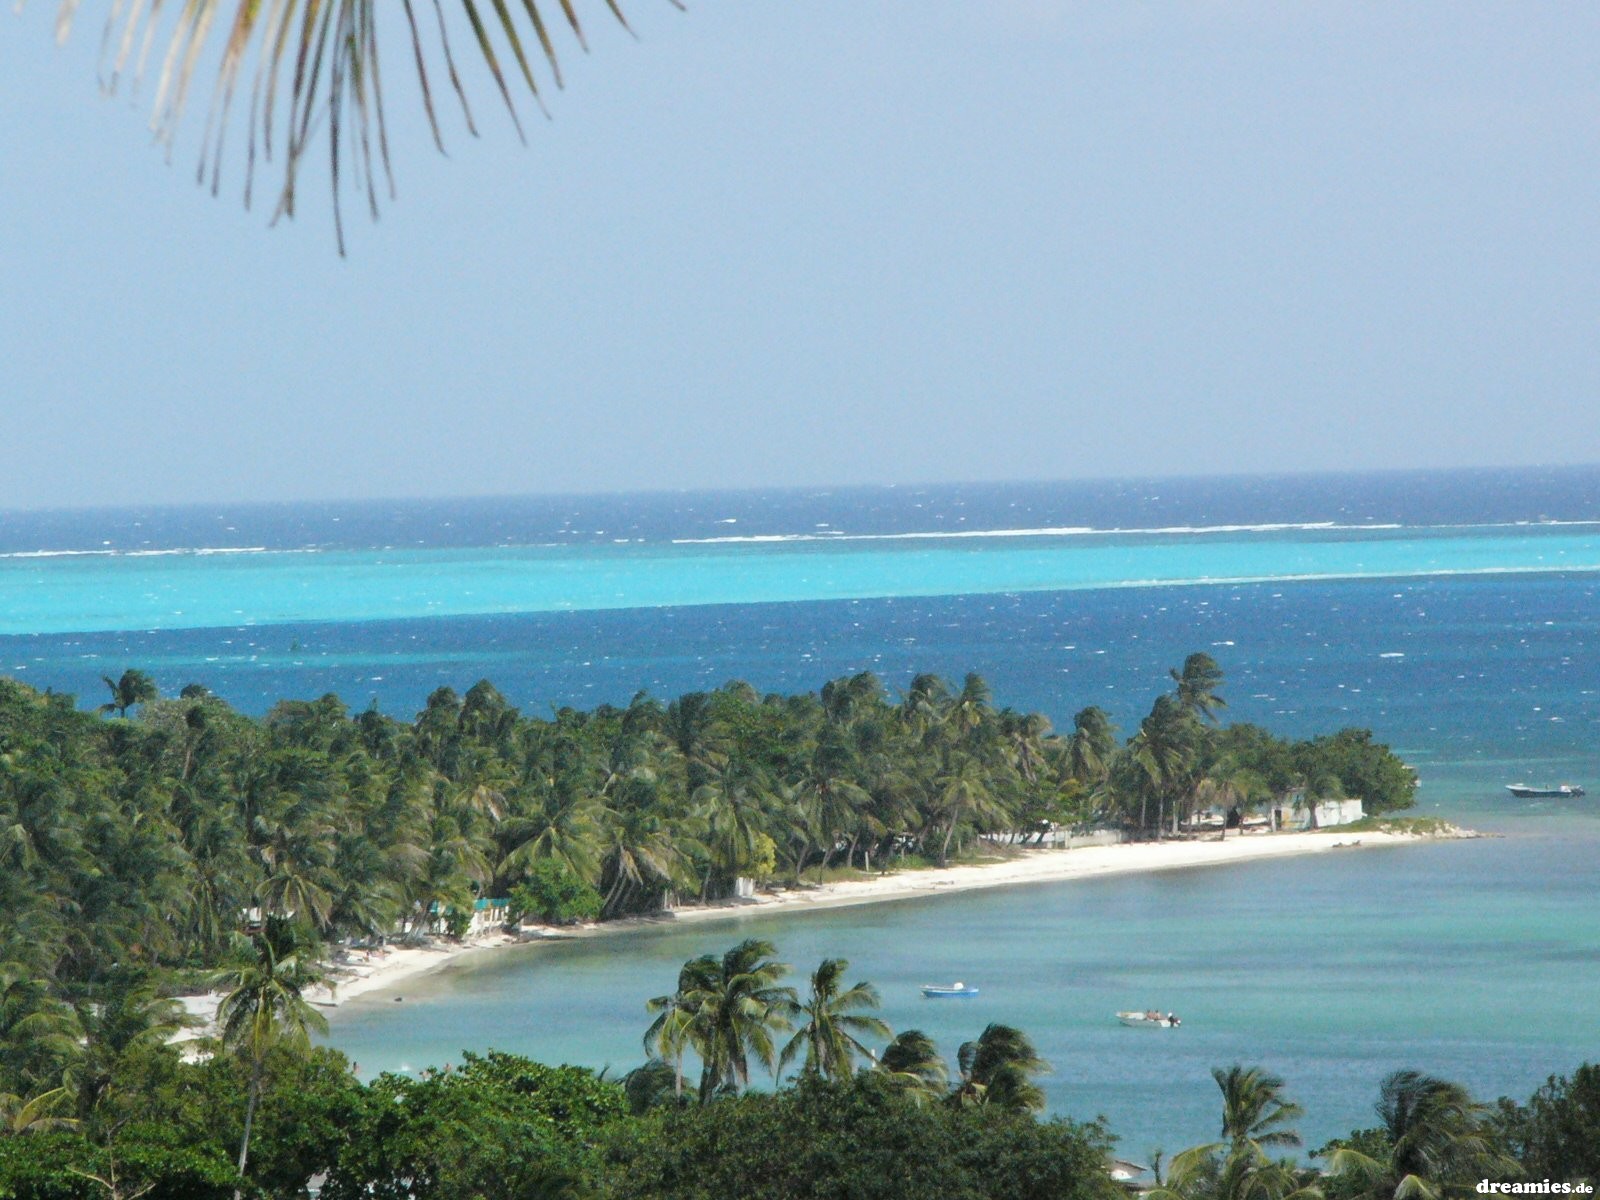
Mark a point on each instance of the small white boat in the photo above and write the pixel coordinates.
(1563, 791)
(942, 990)
(1150, 1020)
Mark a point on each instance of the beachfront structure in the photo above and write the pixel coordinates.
(1061, 837)
(488, 914)
(1293, 814)
(1324, 814)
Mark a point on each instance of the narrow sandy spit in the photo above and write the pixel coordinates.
(386, 970)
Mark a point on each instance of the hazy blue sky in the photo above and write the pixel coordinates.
(837, 241)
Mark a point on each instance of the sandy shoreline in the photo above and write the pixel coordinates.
(356, 975)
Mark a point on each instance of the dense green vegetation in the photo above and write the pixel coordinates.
(858, 1118)
(141, 840)
(160, 845)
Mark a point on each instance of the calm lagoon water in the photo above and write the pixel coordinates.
(1479, 961)
(1456, 614)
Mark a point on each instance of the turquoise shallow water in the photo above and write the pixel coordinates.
(148, 591)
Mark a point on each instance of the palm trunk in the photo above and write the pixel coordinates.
(254, 1098)
(803, 848)
(611, 895)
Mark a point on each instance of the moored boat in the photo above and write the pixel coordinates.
(1150, 1020)
(939, 991)
(1563, 791)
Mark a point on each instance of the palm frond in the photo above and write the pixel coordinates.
(316, 64)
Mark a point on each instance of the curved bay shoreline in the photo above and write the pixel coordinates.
(387, 970)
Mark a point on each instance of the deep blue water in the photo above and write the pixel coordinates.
(1412, 498)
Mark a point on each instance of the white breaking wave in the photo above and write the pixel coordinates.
(193, 551)
(1044, 531)
(1319, 577)
(834, 535)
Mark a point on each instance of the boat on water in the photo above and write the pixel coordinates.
(939, 991)
(1150, 1020)
(1562, 791)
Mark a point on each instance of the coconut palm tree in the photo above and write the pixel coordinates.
(564, 828)
(831, 803)
(834, 1023)
(680, 1020)
(691, 728)
(733, 804)
(964, 797)
(1164, 752)
(924, 705)
(848, 699)
(727, 1010)
(643, 851)
(1255, 1113)
(1230, 787)
(998, 1069)
(132, 688)
(264, 1007)
(971, 708)
(1025, 736)
(1197, 686)
(1439, 1143)
(913, 1062)
(1089, 749)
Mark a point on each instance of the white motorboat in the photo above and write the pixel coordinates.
(1150, 1020)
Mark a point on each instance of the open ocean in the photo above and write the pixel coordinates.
(1454, 613)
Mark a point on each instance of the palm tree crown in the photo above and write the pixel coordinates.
(998, 1069)
(1254, 1111)
(834, 1023)
(1439, 1143)
(726, 1010)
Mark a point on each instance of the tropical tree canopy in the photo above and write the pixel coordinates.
(295, 66)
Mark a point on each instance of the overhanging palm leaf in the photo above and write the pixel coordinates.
(40, 1114)
(317, 61)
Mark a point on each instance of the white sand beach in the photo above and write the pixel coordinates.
(357, 974)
